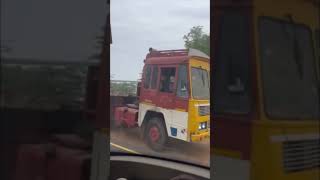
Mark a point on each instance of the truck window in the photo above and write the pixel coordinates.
(200, 83)
(154, 77)
(167, 79)
(288, 70)
(147, 77)
(231, 72)
(182, 87)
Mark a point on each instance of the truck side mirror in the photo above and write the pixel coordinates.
(183, 89)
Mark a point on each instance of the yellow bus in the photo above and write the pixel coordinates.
(265, 71)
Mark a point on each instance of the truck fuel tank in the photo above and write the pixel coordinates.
(126, 115)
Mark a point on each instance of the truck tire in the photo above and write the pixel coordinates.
(156, 134)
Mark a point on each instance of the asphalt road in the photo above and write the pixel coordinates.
(128, 140)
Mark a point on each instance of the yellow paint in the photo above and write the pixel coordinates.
(179, 109)
(200, 137)
(197, 62)
(266, 156)
(105, 131)
(124, 148)
(147, 103)
(194, 118)
(227, 153)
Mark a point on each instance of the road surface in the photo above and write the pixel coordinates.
(128, 140)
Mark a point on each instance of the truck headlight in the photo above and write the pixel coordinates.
(202, 125)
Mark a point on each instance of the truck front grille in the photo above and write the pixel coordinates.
(301, 155)
(204, 110)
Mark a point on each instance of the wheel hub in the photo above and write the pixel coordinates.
(154, 134)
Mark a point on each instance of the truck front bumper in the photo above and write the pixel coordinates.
(200, 137)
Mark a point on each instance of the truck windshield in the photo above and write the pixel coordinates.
(288, 70)
(200, 83)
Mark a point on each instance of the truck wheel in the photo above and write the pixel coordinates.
(156, 134)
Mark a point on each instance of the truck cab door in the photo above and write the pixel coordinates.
(167, 84)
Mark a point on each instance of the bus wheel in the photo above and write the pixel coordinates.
(155, 134)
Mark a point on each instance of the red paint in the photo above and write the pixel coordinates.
(182, 103)
(234, 131)
(167, 53)
(40, 161)
(155, 96)
(127, 116)
(31, 162)
(233, 134)
(154, 134)
(167, 60)
(69, 164)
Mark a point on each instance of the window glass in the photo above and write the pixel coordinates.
(182, 87)
(200, 83)
(154, 77)
(167, 79)
(231, 73)
(147, 77)
(288, 70)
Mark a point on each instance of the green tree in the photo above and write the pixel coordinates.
(197, 39)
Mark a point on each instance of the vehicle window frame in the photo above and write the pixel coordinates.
(147, 79)
(227, 109)
(301, 25)
(175, 78)
(187, 81)
(154, 77)
(192, 91)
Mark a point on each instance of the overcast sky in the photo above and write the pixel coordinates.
(161, 24)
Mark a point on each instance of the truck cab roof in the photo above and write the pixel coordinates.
(173, 56)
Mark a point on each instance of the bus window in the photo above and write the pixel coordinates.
(231, 68)
(288, 70)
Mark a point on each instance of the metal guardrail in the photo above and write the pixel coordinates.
(127, 91)
(122, 81)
